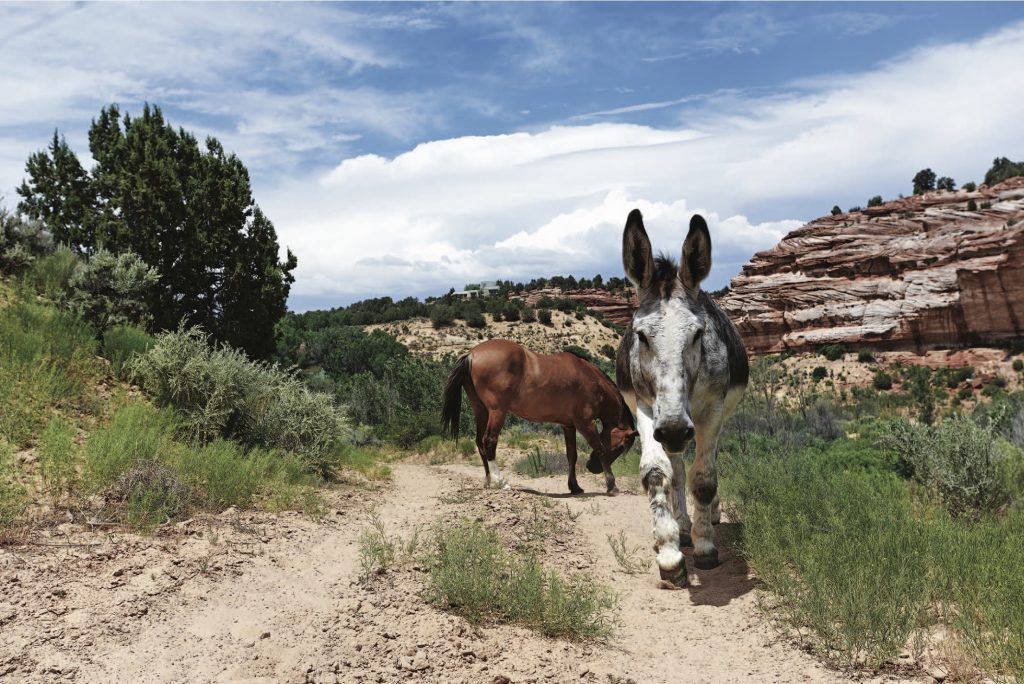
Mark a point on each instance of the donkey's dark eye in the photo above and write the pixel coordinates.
(698, 335)
(643, 338)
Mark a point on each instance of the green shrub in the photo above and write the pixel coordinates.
(442, 316)
(819, 373)
(22, 241)
(882, 381)
(121, 344)
(529, 316)
(1018, 365)
(473, 575)
(511, 312)
(51, 275)
(955, 462)
(544, 316)
(476, 320)
(970, 186)
(865, 356)
(833, 352)
(112, 289)
(799, 517)
(836, 211)
(220, 393)
(875, 201)
(972, 205)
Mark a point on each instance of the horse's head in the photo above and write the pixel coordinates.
(665, 351)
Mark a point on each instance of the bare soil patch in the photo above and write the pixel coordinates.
(259, 597)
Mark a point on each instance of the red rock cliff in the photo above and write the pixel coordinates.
(915, 273)
(617, 308)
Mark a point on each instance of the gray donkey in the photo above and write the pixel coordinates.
(683, 368)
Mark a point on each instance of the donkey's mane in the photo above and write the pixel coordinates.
(665, 276)
(624, 411)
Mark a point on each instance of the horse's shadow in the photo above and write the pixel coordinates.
(728, 581)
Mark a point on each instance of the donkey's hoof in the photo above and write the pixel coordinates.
(673, 579)
(575, 489)
(706, 561)
(685, 540)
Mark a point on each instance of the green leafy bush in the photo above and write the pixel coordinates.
(22, 241)
(834, 352)
(220, 393)
(819, 373)
(544, 316)
(865, 356)
(50, 276)
(882, 381)
(111, 289)
(955, 461)
(1018, 365)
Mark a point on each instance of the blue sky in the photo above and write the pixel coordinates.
(406, 148)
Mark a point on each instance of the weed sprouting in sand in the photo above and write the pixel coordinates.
(377, 552)
(628, 558)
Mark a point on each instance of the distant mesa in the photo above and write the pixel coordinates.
(941, 269)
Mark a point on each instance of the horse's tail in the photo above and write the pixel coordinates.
(451, 406)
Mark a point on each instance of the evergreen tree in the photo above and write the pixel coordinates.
(945, 183)
(186, 209)
(1003, 168)
(924, 181)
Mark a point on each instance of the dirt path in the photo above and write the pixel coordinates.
(274, 598)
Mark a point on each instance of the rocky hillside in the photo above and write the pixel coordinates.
(617, 308)
(933, 270)
(565, 330)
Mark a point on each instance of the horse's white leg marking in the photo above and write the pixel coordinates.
(499, 480)
(703, 482)
(656, 474)
(679, 489)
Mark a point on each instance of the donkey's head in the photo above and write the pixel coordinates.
(668, 326)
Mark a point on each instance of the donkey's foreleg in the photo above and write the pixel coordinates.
(656, 475)
(703, 483)
(679, 491)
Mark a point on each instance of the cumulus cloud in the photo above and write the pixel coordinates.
(554, 200)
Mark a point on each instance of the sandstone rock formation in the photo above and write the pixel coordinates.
(935, 270)
(617, 308)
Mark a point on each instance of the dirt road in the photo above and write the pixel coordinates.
(274, 598)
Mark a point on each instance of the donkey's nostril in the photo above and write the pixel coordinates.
(659, 434)
(688, 433)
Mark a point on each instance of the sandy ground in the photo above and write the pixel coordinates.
(256, 597)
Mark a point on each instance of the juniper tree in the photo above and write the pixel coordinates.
(186, 209)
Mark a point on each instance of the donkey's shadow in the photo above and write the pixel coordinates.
(731, 579)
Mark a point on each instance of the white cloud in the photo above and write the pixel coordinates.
(554, 201)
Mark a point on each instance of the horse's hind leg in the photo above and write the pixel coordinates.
(570, 454)
(480, 415)
(495, 421)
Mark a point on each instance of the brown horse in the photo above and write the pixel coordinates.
(501, 377)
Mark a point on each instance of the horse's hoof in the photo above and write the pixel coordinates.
(575, 489)
(685, 540)
(612, 491)
(706, 561)
(594, 466)
(673, 579)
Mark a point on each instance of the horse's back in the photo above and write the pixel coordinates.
(497, 368)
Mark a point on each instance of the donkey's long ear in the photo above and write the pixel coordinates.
(696, 254)
(637, 259)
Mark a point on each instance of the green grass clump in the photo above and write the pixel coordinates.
(472, 574)
(121, 344)
(58, 457)
(50, 275)
(840, 550)
(370, 462)
(137, 463)
(539, 463)
(13, 498)
(47, 359)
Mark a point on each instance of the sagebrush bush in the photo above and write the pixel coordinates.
(22, 241)
(221, 393)
(112, 289)
(955, 461)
